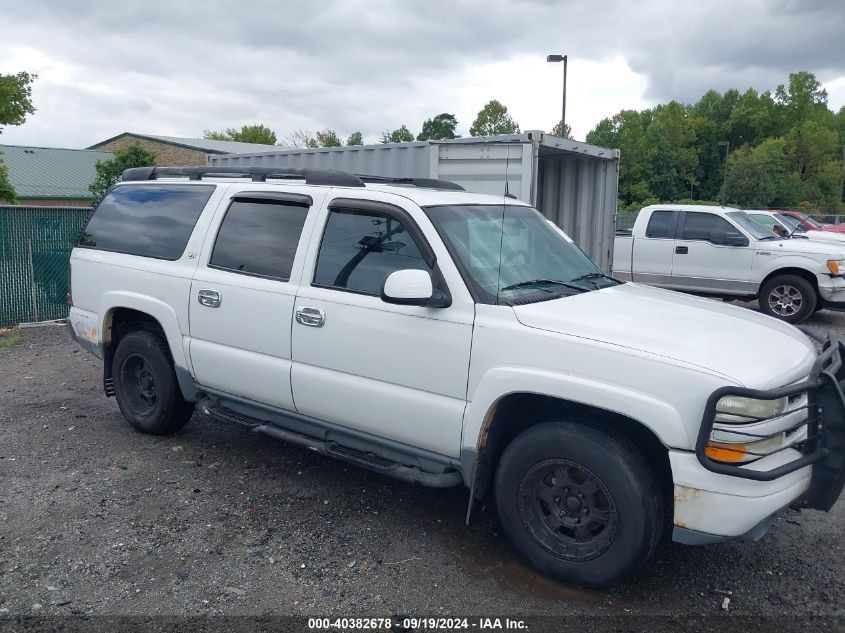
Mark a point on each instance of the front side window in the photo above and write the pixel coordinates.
(259, 237)
(709, 227)
(511, 254)
(147, 220)
(361, 248)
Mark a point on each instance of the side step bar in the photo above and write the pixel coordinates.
(342, 453)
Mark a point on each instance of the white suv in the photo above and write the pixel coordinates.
(449, 338)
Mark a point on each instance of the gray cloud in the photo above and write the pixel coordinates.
(178, 68)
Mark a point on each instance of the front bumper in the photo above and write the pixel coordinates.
(717, 501)
(831, 289)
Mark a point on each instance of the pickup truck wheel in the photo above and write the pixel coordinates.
(789, 298)
(580, 504)
(146, 387)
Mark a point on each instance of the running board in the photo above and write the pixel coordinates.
(369, 461)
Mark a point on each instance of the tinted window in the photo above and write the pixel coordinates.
(150, 220)
(661, 224)
(361, 248)
(766, 220)
(259, 238)
(706, 226)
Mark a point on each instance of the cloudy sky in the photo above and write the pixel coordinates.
(178, 68)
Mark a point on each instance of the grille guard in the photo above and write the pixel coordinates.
(824, 447)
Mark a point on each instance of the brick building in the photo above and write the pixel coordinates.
(51, 176)
(176, 150)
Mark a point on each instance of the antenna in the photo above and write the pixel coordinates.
(502, 234)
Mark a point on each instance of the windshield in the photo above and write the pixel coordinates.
(810, 221)
(757, 230)
(791, 223)
(511, 254)
(768, 221)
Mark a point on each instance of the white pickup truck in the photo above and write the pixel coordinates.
(723, 252)
(449, 338)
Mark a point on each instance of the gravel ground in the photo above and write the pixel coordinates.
(98, 520)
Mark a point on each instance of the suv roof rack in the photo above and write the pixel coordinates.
(312, 176)
(428, 183)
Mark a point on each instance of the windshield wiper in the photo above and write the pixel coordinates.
(772, 237)
(533, 282)
(595, 275)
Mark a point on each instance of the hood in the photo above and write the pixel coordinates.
(747, 347)
(826, 249)
(834, 228)
(821, 236)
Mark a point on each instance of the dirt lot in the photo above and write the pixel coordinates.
(96, 519)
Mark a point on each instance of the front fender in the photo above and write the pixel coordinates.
(658, 416)
(156, 308)
(766, 265)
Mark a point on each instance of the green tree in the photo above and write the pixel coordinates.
(747, 184)
(15, 98)
(400, 135)
(439, 127)
(7, 191)
(562, 130)
(675, 158)
(355, 139)
(840, 129)
(493, 119)
(327, 138)
(109, 171)
(15, 105)
(802, 99)
(247, 134)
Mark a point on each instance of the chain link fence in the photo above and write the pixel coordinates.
(35, 244)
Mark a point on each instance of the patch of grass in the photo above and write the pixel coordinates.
(9, 337)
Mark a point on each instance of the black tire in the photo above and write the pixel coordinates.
(789, 298)
(145, 385)
(596, 547)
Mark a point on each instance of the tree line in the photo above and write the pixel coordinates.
(751, 150)
(493, 118)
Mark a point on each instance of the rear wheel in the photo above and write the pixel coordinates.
(145, 385)
(789, 298)
(579, 503)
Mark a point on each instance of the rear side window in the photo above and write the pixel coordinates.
(661, 224)
(259, 237)
(361, 248)
(151, 220)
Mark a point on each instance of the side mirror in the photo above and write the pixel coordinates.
(409, 287)
(733, 239)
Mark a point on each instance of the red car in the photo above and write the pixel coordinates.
(811, 225)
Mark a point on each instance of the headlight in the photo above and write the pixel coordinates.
(836, 266)
(739, 410)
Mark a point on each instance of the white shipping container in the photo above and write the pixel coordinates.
(573, 184)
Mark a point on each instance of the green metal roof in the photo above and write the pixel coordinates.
(49, 172)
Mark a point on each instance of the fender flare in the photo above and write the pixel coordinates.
(160, 311)
(656, 415)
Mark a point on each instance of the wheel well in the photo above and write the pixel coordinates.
(798, 272)
(118, 323)
(517, 412)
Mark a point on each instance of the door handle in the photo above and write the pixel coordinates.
(312, 317)
(682, 250)
(209, 298)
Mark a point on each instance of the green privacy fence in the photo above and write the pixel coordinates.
(35, 244)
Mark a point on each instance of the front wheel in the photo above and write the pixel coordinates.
(789, 298)
(581, 504)
(145, 385)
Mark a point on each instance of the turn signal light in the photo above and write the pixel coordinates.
(833, 266)
(725, 452)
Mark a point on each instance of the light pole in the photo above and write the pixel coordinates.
(727, 145)
(561, 58)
